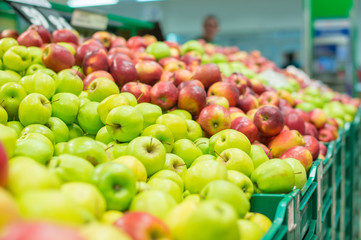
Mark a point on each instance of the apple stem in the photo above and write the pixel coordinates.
(220, 156)
(109, 147)
(141, 95)
(200, 143)
(167, 143)
(55, 100)
(298, 172)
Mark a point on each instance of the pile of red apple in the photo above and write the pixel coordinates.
(108, 138)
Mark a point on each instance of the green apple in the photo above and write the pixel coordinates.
(16, 125)
(52, 205)
(39, 83)
(1, 64)
(299, 171)
(25, 174)
(182, 113)
(59, 148)
(228, 138)
(241, 181)
(7, 76)
(102, 232)
(261, 220)
(202, 158)
(202, 173)
(111, 216)
(142, 186)
(258, 155)
(135, 165)
(17, 58)
(249, 230)
(236, 159)
(178, 217)
(203, 144)
(103, 136)
(117, 183)
(124, 123)
(175, 163)
(34, 108)
(187, 150)
(86, 196)
(50, 72)
(150, 113)
(192, 45)
(167, 186)
(70, 168)
(117, 149)
(75, 131)
(38, 128)
(162, 133)
(59, 128)
(67, 46)
(35, 146)
(177, 125)
(194, 130)
(8, 208)
(8, 138)
(158, 50)
(68, 81)
(305, 106)
(65, 106)
(5, 44)
(155, 202)
(273, 176)
(170, 175)
(109, 104)
(36, 55)
(213, 219)
(149, 151)
(88, 149)
(101, 88)
(3, 116)
(131, 98)
(227, 192)
(88, 118)
(11, 94)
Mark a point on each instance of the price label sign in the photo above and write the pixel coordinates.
(39, 14)
(89, 20)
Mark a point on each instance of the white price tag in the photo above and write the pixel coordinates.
(89, 20)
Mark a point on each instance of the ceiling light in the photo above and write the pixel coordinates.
(90, 3)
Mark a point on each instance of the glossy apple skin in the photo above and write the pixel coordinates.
(105, 38)
(214, 118)
(268, 98)
(208, 74)
(257, 86)
(323, 149)
(118, 42)
(311, 130)
(123, 71)
(141, 91)
(332, 128)
(3, 166)
(190, 83)
(94, 75)
(325, 135)
(245, 126)
(123, 50)
(318, 117)
(192, 99)
(142, 226)
(269, 121)
(65, 35)
(312, 145)
(224, 89)
(95, 61)
(85, 48)
(247, 102)
(284, 141)
(30, 38)
(300, 153)
(43, 32)
(57, 57)
(164, 94)
(115, 55)
(177, 77)
(295, 122)
(11, 33)
(239, 80)
(136, 42)
(149, 72)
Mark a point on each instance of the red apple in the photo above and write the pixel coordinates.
(30, 38)
(115, 55)
(323, 149)
(85, 48)
(57, 57)
(283, 94)
(241, 81)
(265, 148)
(123, 50)
(269, 121)
(149, 39)
(3, 166)
(149, 72)
(318, 117)
(43, 32)
(105, 38)
(234, 109)
(257, 86)
(77, 72)
(295, 122)
(174, 66)
(140, 90)
(94, 75)
(332, 121)
(141, 56)
(225, 89)
(190, 83)
(284, 141)
(191, 60)
(300, 153)
(245, 126)
(215, 100)
(332, 128)
(65, 35)
(269, 98)
(11, 33)
(311, 143)
(214, 118)
(136, 42)
(95, 61)
(250, 114)
(286, 110)
(303, 114)
(118, 42)
(192, 99)
(247, 102)
(208, 74)
(164, 94)
(123, 71)
(310, 129)
(326, 135)
(143, 226)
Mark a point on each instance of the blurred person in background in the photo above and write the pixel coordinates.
(290, 58)
(210, 28)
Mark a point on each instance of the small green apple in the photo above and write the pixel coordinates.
(109, 104)
(59, 128)
(7, 76)
(65, 106)
(249, 230)
(258, 155)
(228, 138)
(261, 220)
(162, 133)
(171, 175)
(194, 130)
(17, 58)
(39, 83)
(88, 118)
(187, 150)
(202, 158)
(103, 136)
(5, 44)
(117, 149)
(131, 98)
(102, 232)
(241, 181)
(236, 159)
(203, 144)
(8, 138)
(75, 131)
(3, 116)
(70, 168)
(34, 108)
(67, 46)
(299, 171)
(182, 113)
(16, 125)
(11, 94)
(167, 186)
(135, 165)
(68, 81)
(36, 55)
(175, 163)
(101, 88)
(59, 148)
(192, 45)
(150, 113)
(38, 128)
(177, 125)
(158, 50)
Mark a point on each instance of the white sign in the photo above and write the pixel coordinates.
(89, 20)
(39, 3)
